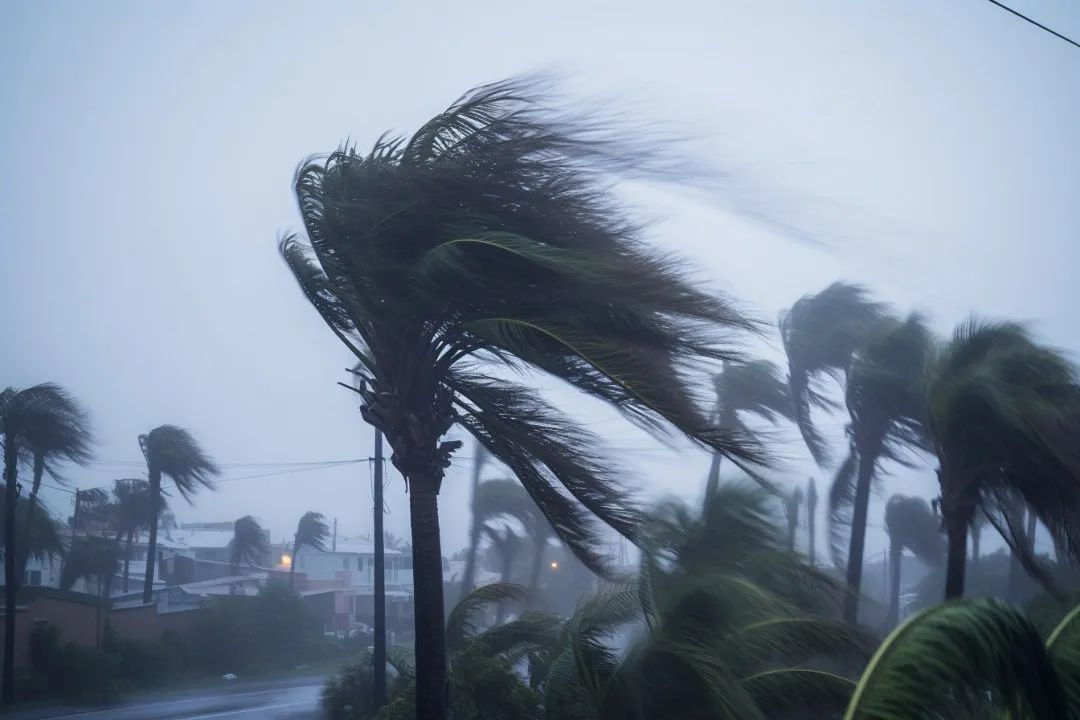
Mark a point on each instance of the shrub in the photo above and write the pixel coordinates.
(71, 672)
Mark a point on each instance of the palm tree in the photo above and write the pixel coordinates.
(753, 387)
(490, 239)
(911, 525)
(821, 333)
(312, 531)
(885, 401)
(44, 542)
(43, 423)
(468, 577)
(1004, 415)
(173, 452)
(249, 544)
(64, 438)
(92, 559)
(92, 502)
(133, 504)
(507, 499)
(968, 660)
(506, 544)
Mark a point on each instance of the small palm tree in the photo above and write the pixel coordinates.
(911, 525)
(92, 559)
(490, 239)
(1004, 414)
(249, 544)
(885, 401)
(968, 660)
(312, 531)
(134, 505)
(754, 388)
(42, 423)
(173, 452)
(821, 334)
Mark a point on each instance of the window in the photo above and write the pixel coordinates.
(359, 563)
(345, 563)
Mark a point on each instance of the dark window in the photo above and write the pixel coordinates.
(345, 563)
(359, 563)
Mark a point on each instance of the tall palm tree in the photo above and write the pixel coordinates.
(1004, 415)
(173, 452)
(754, 388)
(821, 333)
(312, 531)
(249, 544)
(911, 525)
(134, 504)
(490, 239)
(90, 503)
(65, 438)
(885, 400)
(468, 576)
(41, 423)
(506, 545)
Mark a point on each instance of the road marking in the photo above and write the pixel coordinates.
(246, 710)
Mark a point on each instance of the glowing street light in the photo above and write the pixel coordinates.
(286, 560)
(554, 564)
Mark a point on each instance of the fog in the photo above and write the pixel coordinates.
(925, 149)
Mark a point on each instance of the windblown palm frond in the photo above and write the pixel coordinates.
(312, 531)
(821, 333)
(50, 424)
(249, 543)
(133, 503)
(463, 620)
(1004, 412)
(963, 659)
(1063, 644)
(44, 541)
(90, 558)
(174, 452)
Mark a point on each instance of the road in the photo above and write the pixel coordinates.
(295, 699)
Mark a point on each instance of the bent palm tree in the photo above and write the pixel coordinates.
(475, 523)
(967, 660)
(91, 559)
(311, 531)
(911, 525)
(173, 452)
(753, 387)
(249, 544)
(42, 422)
(885, 400)
(821, 334)
(490, 239)
(1004, 415)
(133, 508)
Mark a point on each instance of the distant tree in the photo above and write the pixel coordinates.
(811, 521)
(1004, 415)
(44, 542)
(173, 452)
(436, 260)
(792, 505)
(476, 521)
(42, 423)
(821, 334)
(92, 559)
(133, 506)
(311, 531)
(753, 387)
(911, 525)
(885, 399)
(91, 505)
(249, 544)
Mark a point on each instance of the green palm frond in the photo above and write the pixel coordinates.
(90, 558)
(462, 622)
(960, 660)
(530, 633)
(782, 692)
(45, 541)
(1063, 645)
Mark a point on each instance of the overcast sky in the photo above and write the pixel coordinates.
(148, 150)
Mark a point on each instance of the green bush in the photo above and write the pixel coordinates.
(71, 672)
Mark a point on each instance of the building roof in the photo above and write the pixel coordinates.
(350, 546)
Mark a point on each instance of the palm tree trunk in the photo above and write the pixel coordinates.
(811, 523)
(976, 536)
(896, 556)
(31, 507)
(428, 598)
(468, 576)
(858, 535)
(151, 546)
(11, 584)
(379, 653)
(956, 531)
(292, 565)
(127, 555)
(712, 482)
(539, 545)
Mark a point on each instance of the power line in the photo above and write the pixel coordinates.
(1033, 22)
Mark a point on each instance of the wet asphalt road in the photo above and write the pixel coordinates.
(296, 699)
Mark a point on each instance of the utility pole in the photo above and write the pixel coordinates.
(379, 659)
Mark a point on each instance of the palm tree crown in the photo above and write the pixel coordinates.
(249, 544)
(1004, 414)
(436, 258)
